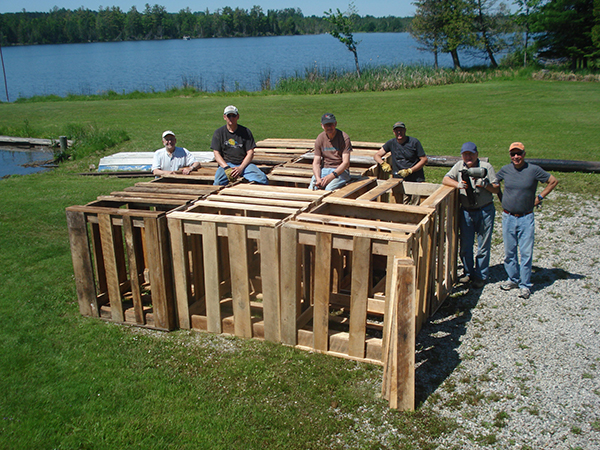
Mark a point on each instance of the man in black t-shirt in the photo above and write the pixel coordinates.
(408, 157)
(233, 146)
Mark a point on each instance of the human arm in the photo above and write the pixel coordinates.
(552, 182)
(237, 171)
(378, 157)
(338, 171)
(316, 168)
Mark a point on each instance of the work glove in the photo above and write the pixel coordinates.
(386, 167)
(404, 173)
(230, 177)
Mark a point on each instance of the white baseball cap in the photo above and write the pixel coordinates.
(168, 132)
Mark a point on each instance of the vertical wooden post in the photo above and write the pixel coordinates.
(269, 273)
(181, 272)
(399, 348)
(211, 277)
(82, 264)
(361, 264)
(322, 291)
(290, 284)
(240, 280)
(107, 237)
(134, 269)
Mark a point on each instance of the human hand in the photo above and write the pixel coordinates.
(230, 174)
(403, 173)
(386, 167)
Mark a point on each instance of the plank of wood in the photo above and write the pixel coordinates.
(290, 284)
(322, 291)
(399, 349)
(386, 227)
(269, 274)
(211, 277)
(199, 217)
(82, 263)
(135, 260)
(107, 237)
(361, 266)
(240, 279)
(259, 201)
(181, 269)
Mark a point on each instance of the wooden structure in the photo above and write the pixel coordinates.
(121, 253)
(352, 273)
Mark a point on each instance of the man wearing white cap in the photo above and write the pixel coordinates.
(170, 159)
(233, 146)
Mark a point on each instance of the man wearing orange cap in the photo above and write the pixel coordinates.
(518, 225)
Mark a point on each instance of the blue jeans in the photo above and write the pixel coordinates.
(338, 182)
(518, 232)
(250, 173)
(479, 222)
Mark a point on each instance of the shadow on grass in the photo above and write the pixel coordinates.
(438, 342)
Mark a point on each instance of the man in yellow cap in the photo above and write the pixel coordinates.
(518, 225)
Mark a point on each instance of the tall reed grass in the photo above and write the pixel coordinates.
(384, 78)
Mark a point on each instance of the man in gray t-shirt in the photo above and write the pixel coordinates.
(477, 212)
(518, 225)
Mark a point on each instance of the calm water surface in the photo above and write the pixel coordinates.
(210, 64)
(12, 162)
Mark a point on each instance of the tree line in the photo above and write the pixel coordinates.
(560, 30)
(63, 26)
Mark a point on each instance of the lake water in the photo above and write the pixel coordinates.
(13, 162)
(210, 64)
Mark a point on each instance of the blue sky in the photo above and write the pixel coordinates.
(377, 8)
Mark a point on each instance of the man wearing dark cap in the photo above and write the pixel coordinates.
(477, 212)
(408, 156)
(233, 146)
(332, 156)
(170, 159)
(518, 225)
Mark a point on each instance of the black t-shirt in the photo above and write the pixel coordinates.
(233, 146)
(405, 156)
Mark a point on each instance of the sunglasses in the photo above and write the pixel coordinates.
(519, 153)
(231, 115)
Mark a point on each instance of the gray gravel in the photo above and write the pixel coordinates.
(523, 374)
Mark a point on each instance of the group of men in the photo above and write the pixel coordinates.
(233, 147)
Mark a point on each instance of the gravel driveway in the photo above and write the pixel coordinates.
(523, 374)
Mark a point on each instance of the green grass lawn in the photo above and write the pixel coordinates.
(73, 382)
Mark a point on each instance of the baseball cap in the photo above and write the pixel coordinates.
(230, 110)
(168, 132)
(398, 125)
(468, 147)
(328, 118)
(517, 145)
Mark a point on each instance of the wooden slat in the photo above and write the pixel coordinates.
(358, 223)
(290, 284)
(181, 271)
(399, 347)
(82, 264)
(135, 263)
(240, 280)
(322, 291)
(361, 258)
(211, 279)
(107, 237)
(269, 273)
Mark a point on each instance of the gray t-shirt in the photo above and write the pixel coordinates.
(482, 195)
(520, 186)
